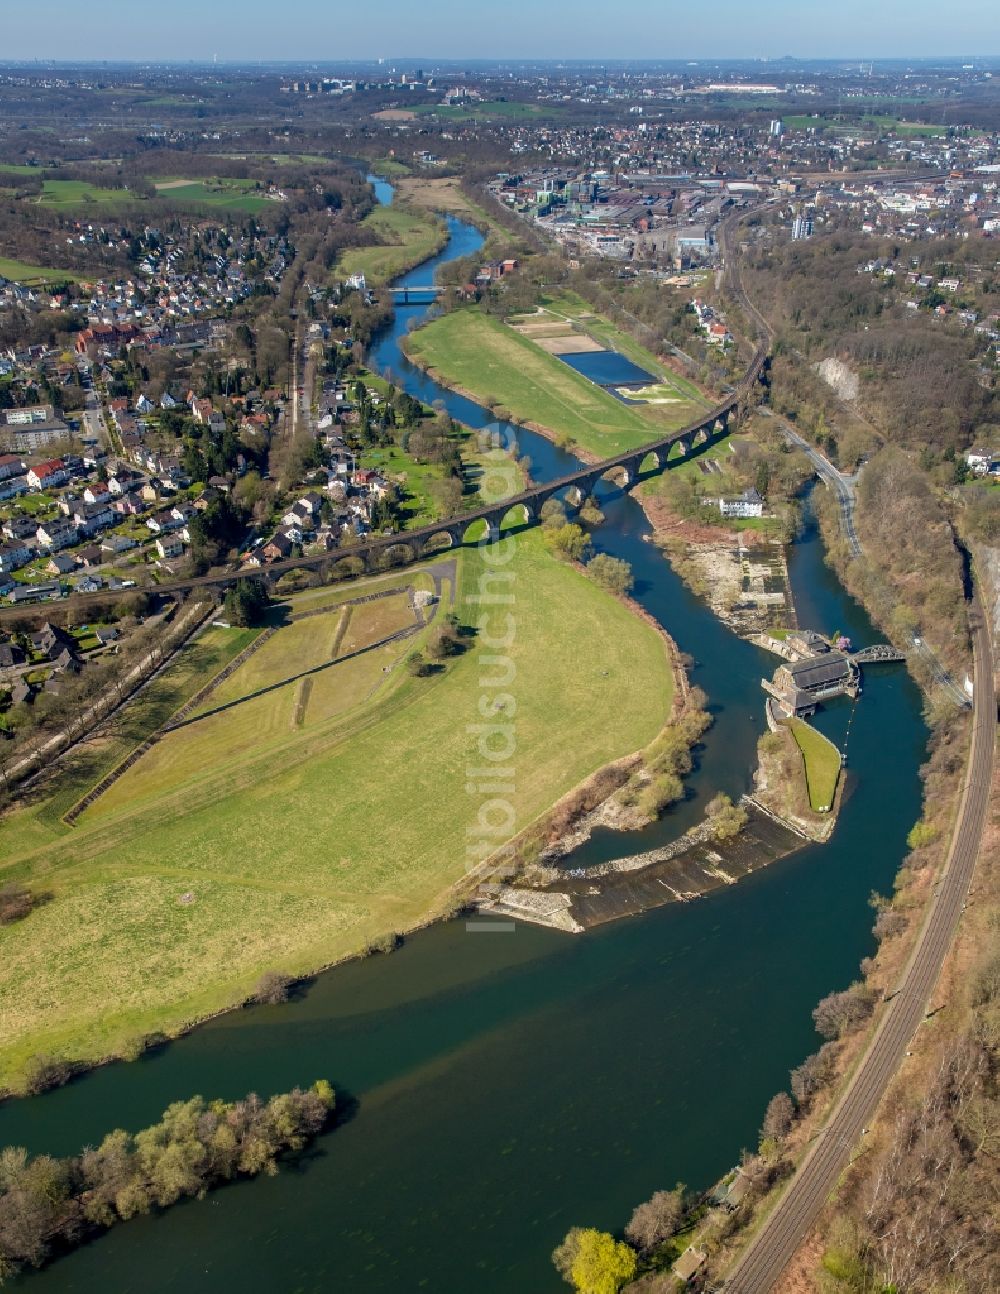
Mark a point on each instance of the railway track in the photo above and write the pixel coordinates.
(767, 1255)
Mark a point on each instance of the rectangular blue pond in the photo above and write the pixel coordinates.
(608, 368)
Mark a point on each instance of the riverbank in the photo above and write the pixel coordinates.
(563, 442)
(742, 574)
(455, 1026)
(691, 867)
(153, 926)
(407, 236)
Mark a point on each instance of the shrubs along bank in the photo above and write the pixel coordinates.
(50, 1205)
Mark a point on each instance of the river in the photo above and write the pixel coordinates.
(506, 1087)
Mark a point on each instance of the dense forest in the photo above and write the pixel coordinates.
(925, 382)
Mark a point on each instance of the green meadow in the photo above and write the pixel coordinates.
(498, 364)
(405, 238)
(33, 275)
(289, 825)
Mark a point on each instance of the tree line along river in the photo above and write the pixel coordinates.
(506, 1087)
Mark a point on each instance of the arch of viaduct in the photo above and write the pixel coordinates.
(625, 469)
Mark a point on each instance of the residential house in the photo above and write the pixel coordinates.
(90, 556)
(12, 487)
(170, 546)
(60, 564)
(129, 505)
(22, 693)
(10, 465)
(67, 662)
(93, 518)
(13, 557)
(117, 544)
(298, 517)
(981, 461)
(19, 527)
(749, 504)
(51, 641)
(277, 548)
(54, 535)
(10, 655)
(312, 501)
(47, 475)
(123, 480)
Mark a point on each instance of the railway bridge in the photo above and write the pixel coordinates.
(626, 469)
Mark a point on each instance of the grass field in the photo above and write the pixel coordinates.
(216, 863)
(515, 111)
(406, 237)
(389, 168)
(33, 275)
(12, 168)
(40, 824)
(494, 362)
(420, 497)
(79, 194)
(443, 193)
(224, 195)
(862, 125)
(822, 761)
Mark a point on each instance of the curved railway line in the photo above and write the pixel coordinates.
(770, 1251)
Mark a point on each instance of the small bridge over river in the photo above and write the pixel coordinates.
(878, 654)
(416, 295)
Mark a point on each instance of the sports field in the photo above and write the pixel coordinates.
(497, 363)
(288, 831)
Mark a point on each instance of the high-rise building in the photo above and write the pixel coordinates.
(777, 128)
(802, 227)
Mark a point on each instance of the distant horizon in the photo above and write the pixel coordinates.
(239, 31)
(976, 61)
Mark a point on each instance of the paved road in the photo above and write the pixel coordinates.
(842, 484)
(772, 1248)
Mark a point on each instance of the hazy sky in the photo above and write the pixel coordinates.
(329, 30)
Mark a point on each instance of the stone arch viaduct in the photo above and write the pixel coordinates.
(626, 469)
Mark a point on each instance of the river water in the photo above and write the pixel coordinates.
(503, 1088)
